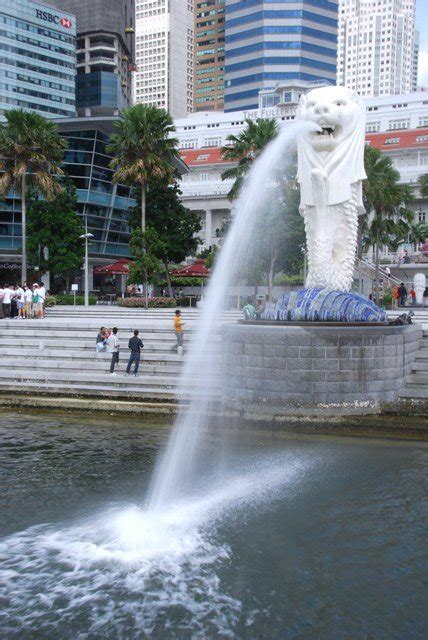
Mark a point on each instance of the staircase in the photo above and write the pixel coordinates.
(368, 269)
(57, 356)
(417, 382)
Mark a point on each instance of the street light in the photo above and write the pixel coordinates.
(86, 236)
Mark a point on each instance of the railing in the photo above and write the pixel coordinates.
(369, 269)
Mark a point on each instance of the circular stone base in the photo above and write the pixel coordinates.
(268, 368)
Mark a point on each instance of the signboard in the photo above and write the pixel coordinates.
(74, 287)
(53, 18)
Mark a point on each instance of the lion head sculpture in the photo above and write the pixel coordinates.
(334, 145)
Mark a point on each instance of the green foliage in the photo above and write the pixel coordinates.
(31, 150)
(144, 250)
(143, 149)
(182, 282)
(165, 303)
(423, 185)
(69, 299)
(387, 221)
(292, 280)
(244, 149)
(55, 224)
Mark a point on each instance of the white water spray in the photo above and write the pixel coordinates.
(176, 475)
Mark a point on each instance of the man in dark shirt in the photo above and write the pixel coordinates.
(135, 344)
(402, 295)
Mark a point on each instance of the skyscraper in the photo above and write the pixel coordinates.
(105, 50)
(37, 58)
(164, 54)
(209, 54)
(377, 46)
(269, 42)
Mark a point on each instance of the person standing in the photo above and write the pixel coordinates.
(402, 295)
(413, 296)
(28, 296)
(249, 311)
(42, 299)
(178, 329)
(6, 300)
(113, 347)
(395, 297)
(135, 344)
(20, 301)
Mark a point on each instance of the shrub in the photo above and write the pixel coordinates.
(50, 301)
(284, 279)
(135, 303)
(69, 299)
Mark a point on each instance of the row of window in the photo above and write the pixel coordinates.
(37, 56)
(280, 75)
(281, 30)
(40, 44)
(273, 45)
(33, 106)
(265, 61)
(245, 4)
(19, 64)
(284, 15)
(12, 75)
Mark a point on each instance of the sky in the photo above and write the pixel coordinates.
(422, 26)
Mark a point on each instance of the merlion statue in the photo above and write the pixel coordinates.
(330, 171)
(419, 284)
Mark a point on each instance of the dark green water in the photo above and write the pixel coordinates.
(304, 538)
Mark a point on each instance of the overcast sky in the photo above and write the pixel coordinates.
(422, 26)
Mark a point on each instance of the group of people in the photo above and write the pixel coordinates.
(23, 302)
(108, 340)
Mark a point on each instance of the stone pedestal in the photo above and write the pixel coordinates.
(271, 368)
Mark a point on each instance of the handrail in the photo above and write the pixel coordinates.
(371, 267)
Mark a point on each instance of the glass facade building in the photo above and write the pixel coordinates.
(104, 52)
(37, 58)
(271, 42)
(104, 205)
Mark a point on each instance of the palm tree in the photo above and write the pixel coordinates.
(143, 149)
(423, 185)
(418, 234)
(387, 220)
(244, 149)
(31, 151)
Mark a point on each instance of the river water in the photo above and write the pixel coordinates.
(309, 538)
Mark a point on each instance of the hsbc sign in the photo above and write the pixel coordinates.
(54, 19)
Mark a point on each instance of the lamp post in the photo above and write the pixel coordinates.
(86, 236)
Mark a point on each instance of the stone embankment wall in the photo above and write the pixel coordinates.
(269, 368)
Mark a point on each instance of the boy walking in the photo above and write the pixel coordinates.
(135, 345)
(113, 347)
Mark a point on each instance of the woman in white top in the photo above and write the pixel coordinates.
(6, 300)
(20, 301)
(28, 295)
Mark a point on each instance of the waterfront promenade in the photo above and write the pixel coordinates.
(52, 362)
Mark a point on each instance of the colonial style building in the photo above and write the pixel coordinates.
(398, 125)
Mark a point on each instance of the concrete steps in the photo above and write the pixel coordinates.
(416, 387)
(57, 356)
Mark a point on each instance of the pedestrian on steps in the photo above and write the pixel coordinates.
(178, 330)
(135, 344)
(113, 347)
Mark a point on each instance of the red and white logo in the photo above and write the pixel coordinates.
(66, 22)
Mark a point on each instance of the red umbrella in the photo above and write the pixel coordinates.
(195, 270)
(118, 268)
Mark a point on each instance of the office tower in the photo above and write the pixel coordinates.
(269, 43)
(37, 58)
(377, 46)
(164, 35)
(209, 54)
(105, 50)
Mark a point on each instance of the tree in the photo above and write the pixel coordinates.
(244, 149)
(387, 219)
(31, 151)
(423, 185)
(145, 248)
(143, 149)
(418, 234)
(56, 225)
(175, 225)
